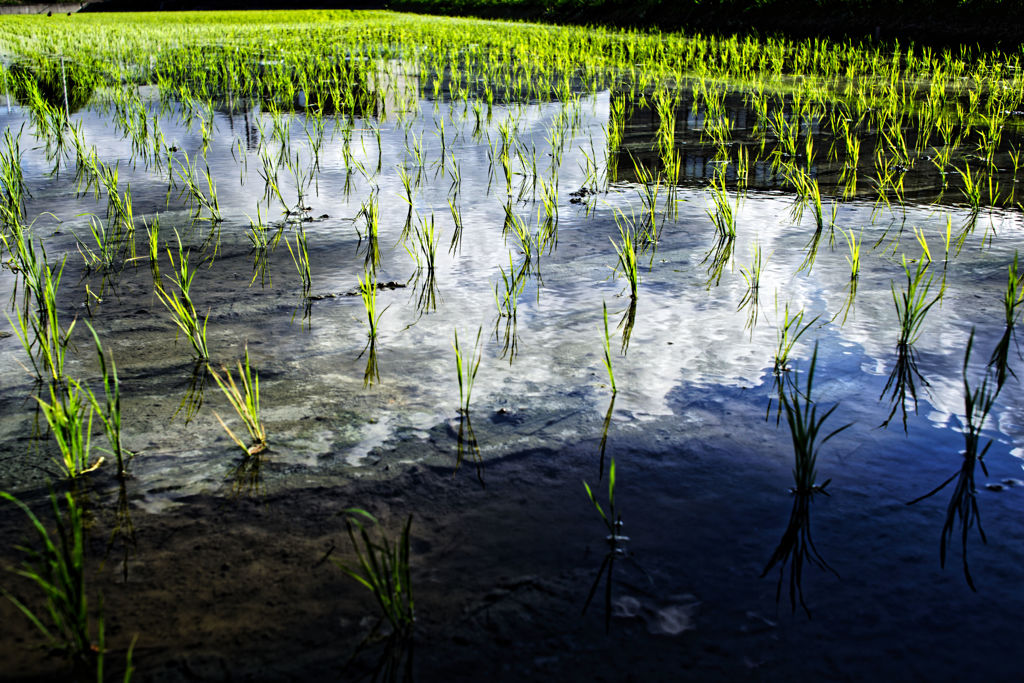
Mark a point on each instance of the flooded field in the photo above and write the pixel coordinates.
(593, 355)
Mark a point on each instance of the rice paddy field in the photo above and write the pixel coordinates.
(371, 346)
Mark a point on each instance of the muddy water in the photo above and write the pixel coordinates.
(506, 545)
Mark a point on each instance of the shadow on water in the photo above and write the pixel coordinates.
(192, 401)
(247, 477)
(466, 446)
(383, 658)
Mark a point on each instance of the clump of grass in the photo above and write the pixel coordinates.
(246, 402)
(383, 568)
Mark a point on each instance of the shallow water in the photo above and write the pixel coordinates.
(507, 538)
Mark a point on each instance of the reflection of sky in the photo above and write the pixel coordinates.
(686, 336)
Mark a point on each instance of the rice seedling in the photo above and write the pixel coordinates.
(69, 412)
(616, 544)
(608, 351)
(797, 546)
(427, 238)
(370, 212)
(107, 249)
(57, 569)
(110, 412)
(456, 243)
(300, 257)
(246, 402)
(853, 252)
(626, 251)
(971, 187)
(13, 190)
(38, 327)
(963, 507)
(524, 238)
(1013, 298)
(723, 217)
(368, 293)
(153, 232)
(912, 305)
(179, 303)
(383, 568)
(911, 308)
(752, 294)
(508, 291)
(466, 367)
(189, 175)
(789, 332)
